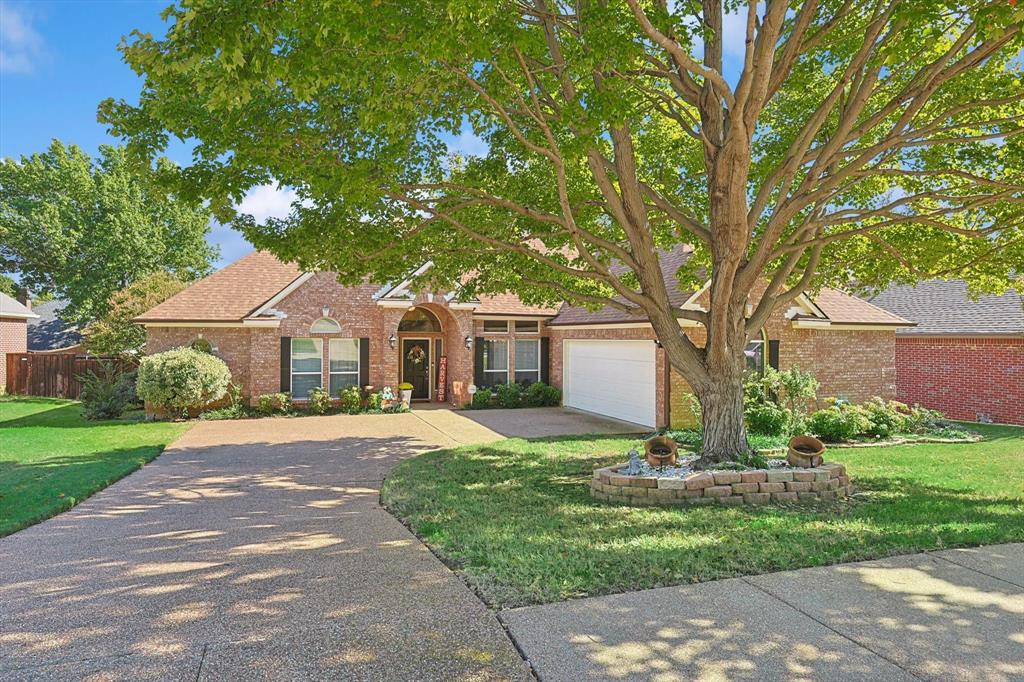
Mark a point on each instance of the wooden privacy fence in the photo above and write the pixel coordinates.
(53, 375)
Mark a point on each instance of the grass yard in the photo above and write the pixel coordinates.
(517, 519)
(51, 458)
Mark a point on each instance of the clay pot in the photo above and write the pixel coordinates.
(805, 452)
(661, 451)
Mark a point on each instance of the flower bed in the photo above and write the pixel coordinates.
(754, 486)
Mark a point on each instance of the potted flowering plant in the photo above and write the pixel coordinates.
(405, 389)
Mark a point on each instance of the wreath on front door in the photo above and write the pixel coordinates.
(416, 355)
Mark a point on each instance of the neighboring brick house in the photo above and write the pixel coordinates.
(965, 357)
(278, 328)
(14, 316)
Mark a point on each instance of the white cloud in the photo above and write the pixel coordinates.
(268, 201)
(468, 144)
(21, 46)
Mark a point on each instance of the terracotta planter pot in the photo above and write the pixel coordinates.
(805, 452)
(661, 451)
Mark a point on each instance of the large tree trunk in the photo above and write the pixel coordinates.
(721, 403)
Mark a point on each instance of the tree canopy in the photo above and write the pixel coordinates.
(82, 228)
(797, 144)
(115, 332)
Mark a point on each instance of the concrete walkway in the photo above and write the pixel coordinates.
(950, 615)
(256, 550)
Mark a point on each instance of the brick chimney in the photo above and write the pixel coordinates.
(24, 298)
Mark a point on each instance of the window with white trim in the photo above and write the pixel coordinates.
(527, 361)
(496, 326)
(344, 364)
(495, 352)
(527, 327)
(307, 367)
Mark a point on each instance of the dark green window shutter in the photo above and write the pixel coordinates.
(364, 361)
(773, 353)
(286, 364)
(545, 358)
(478, 361)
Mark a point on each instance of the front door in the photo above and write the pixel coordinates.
(416, 366)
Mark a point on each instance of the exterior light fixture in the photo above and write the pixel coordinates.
(468, 341)
(392, 340)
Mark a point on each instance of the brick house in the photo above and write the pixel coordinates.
(14, 317)
(965, 357)
(280, 329)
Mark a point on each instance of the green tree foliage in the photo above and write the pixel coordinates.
(83, 228)
(865, 142)
(8, 286)
(115, 332)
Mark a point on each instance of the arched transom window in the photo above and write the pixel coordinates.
(419, 320)
(325, 325)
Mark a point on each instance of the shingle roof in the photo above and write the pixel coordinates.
(943, 307)
(838, 307)
(509, 304)
(229, 294)
(236, 291)
(671, 261)
(10, 307)
(842, 308)
(49, 332)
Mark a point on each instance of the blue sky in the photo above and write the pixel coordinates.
(59, 59)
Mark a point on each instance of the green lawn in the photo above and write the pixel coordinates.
(51, 459)
(517, 519)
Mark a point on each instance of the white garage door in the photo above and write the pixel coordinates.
(613, 378)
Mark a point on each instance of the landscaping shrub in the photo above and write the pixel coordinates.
(374, 402)
(182, 379)
(767, 419)
(481, 399)
(235, 409)
(887, 417)
(319, 401)
(922, 420)
(791, 390)
(274, 403)
(108, 394)
(839, 423)
(540, 394)
(509, 395)
(351, 400)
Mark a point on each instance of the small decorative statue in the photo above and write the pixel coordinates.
(634, 463)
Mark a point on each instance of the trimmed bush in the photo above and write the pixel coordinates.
(182, 379)
(767, 419)
(509, 395)
(481, 399)
(839, 423)
(274, 403)
(540, 394)
(350, 400)
(887, 417)
(319, 401)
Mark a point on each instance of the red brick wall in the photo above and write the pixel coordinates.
(13, 339)
(559, 334)
(850, 364)
(254, 354)
(963, 377)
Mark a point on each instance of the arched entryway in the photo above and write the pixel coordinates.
(420, 346)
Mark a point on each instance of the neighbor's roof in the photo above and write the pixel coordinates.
(49, 331)
(238, 290)
(10, 307)
(230, 294)
(942, 307)
(836, 306)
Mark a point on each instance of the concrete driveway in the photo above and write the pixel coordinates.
(258, 550)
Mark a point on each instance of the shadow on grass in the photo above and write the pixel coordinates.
(66, 416)
(519, 521)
